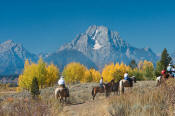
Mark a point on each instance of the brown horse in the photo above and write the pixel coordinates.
(115, 88)
(125, 83)
(61, 93)
(108, 88)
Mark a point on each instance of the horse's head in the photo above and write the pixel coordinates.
(134, 79)
(112, 82)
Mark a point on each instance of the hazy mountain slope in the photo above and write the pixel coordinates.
(12, 57)
(66, 56)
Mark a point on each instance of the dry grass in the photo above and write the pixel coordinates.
(143, 100)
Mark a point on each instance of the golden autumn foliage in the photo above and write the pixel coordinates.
(116, 71)
(52, 75)
(147, 68)
(91, 75)
(96, 76)
(76, 72)
(46, 75)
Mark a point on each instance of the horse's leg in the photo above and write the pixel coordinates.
(123, 89)
(106, 94)
(65, 99)
(94, 95)
(60, 99)
(95, 92)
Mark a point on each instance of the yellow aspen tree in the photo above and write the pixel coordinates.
(74, 72)
(41, 73)
(52, 75)
(96, 76)
(108, 72)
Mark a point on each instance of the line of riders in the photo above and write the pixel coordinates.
(61, 82)
(63, 91)
(170, 72)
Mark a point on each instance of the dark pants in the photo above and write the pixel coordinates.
(101, 86)
(130, 81)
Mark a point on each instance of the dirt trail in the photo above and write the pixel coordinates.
(86, 108)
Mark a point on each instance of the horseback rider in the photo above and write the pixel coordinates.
(164, 74)
(61, 82)
(126, 77)
(102, 84)
(170, 69)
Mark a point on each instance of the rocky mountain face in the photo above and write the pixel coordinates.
(103, 46)
(12, 58)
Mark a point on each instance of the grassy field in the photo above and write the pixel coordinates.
(144, 99)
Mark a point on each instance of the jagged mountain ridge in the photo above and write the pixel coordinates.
(94, 48)
(12, 58)
(104, 46)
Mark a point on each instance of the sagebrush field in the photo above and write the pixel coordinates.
(144, 99)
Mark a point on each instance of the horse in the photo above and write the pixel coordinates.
(115, 88)
(125, 83)
(62, 93)
(161, 79)
(97, 89)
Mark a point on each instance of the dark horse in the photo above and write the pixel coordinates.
(108, 88)
(115, 87)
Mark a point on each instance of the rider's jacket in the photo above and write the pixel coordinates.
(61, 81)
(169, 68)
(101, 81)
(126, 76)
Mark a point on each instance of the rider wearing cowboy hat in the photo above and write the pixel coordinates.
(126, 77)
(61, 82)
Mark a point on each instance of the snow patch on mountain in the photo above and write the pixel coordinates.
(97, 45)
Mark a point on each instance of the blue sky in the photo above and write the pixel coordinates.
(44, 25)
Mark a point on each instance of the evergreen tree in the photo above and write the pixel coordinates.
(159, 68)
(35, 87)
(133, 64)
(165, 58)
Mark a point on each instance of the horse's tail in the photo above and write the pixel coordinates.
(67, 90)
(121, 87)
(93, 92)
(56, 93)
